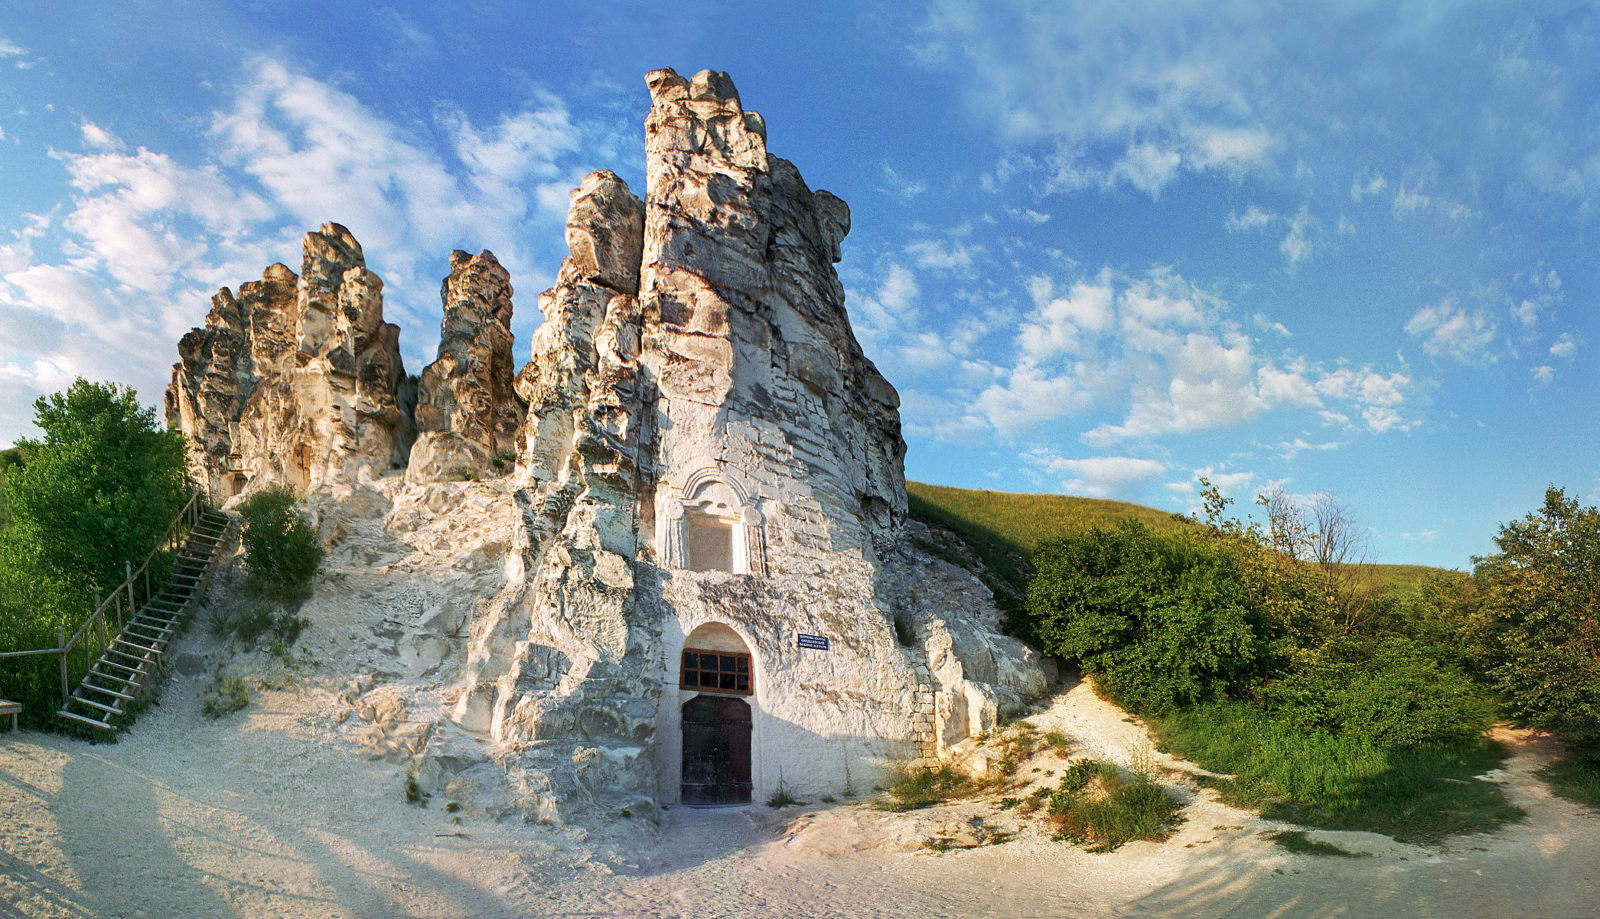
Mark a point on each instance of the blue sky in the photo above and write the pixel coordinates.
(1100, 249)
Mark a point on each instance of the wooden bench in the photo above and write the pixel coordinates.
(11, 708)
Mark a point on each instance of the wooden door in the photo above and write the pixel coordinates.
(716, 751)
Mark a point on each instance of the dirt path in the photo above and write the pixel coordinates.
(271, 813)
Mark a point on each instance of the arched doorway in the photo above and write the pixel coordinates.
(716, 750)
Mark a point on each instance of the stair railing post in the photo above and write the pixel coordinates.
(61, 643)
(133, 605)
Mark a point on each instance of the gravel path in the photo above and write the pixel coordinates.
(273, 812)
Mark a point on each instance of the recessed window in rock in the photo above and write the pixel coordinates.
(716, 671)
(710, 542)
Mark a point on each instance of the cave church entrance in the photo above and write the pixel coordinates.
(716, 751)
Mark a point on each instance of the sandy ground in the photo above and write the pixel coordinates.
(272, 812)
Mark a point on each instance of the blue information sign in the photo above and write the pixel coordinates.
(814, 642)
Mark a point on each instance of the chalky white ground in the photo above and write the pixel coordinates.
(274, 812)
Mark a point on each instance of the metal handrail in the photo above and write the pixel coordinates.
(171, 539)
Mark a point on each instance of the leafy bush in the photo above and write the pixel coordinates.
(281, 551)
(1165, 620)
(1398, 695)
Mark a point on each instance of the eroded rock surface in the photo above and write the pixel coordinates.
(706, 467)
(298, 379)
(467, 414)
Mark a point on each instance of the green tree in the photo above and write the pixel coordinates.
(1540, 628)
(101, 488)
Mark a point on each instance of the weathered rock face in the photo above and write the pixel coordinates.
(467, 414)
(298, 380)
(710, 464)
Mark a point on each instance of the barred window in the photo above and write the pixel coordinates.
(716, 671)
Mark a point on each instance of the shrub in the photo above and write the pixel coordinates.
(1165, 620)
(1397, 695)
(1096, 806)
(281, 551)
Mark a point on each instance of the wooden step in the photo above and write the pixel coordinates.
(110, 692)
(110, 710)
(143, 659)
(104, 725)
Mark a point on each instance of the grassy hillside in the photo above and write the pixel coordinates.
(1002, 529)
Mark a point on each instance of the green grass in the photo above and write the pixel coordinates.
(1098, 807)
(913, 788)
(227, 695)
(1418, 795)
(1574, 780)
(1002, 528)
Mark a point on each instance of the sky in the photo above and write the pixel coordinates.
(1100, 249)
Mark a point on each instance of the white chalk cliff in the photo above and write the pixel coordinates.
(709, 475)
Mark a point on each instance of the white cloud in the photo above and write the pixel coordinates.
(1147, 168)
(1068, 325)
(1121, 109)
(99, 138)
(946, 256)
(1253, 218)
(1289, 449)
(1028, 215)
(1367, 184)
(146, 237)
(1408, 201)
(1162, 348)
(1099, 476)
(11, 49)
(1543, 374)
(1565, 346)
(1287, 386)
(897, 187)
(1378, 397)
(1446, 330)
(1297, 245)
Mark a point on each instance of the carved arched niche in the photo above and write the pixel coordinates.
(711, 525)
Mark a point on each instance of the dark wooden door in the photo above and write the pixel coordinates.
(716, 751)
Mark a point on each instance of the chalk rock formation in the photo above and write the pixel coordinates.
(298, 379)
(710, 464)
(467, 414)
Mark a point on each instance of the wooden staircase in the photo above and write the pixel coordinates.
(133, 657)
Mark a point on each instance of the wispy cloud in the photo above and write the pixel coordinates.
(1097, 476)
(1448, 330)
